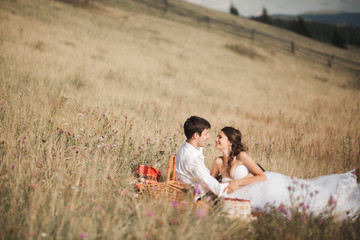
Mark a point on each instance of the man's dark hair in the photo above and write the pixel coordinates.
(195, 124)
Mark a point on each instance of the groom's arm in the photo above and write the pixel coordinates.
(202, 176)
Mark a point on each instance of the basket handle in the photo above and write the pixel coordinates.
(173, 161)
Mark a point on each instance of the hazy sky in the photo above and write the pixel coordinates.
(254, 7)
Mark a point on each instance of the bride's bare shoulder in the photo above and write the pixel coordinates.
(218, 160)
(242, 155)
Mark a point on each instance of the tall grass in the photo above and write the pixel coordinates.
(86, 96)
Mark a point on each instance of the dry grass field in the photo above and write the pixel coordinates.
(89, 92)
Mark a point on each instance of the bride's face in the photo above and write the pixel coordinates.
(222, 141)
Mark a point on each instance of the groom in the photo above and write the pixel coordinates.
(190, 166)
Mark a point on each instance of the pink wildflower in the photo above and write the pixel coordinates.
(125, 192)
(150, 213)
(201, 213)
(84, 235)
(175, 221)
(282, 208)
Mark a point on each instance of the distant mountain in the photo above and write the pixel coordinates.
(326, 17)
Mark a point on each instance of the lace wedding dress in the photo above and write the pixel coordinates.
(338, 194)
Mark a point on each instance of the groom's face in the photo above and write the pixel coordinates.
(203, 137)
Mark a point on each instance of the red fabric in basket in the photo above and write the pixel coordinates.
(149, 174)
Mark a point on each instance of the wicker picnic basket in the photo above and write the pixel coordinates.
(237, 208)
(168, 190)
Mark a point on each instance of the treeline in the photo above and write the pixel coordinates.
(337, 35)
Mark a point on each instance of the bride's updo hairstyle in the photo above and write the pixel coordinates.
(237, 146)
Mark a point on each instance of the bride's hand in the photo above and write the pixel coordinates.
(231, 187)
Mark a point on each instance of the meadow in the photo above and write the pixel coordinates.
(87, 93)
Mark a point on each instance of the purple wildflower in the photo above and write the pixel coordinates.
(174, 203)
(331, 200)
(197, 189)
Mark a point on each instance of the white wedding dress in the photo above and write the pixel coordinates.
(338, 194)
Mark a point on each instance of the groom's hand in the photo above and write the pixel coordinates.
(231, 187)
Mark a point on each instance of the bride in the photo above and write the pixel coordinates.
(336, 194)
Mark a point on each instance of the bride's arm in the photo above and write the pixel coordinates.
(259, 175)
(215, 167)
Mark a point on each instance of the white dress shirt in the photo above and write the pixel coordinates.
(191, 169)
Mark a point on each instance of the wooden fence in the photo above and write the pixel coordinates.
(256, 35)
